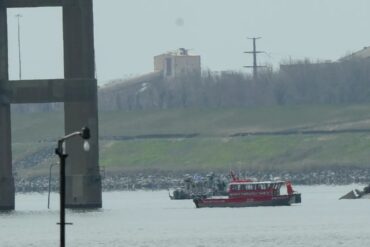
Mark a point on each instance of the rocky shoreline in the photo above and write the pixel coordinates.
(163, 180)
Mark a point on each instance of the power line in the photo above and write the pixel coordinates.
(254, 52)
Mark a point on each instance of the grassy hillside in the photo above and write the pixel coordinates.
(221, 122)
(206, 122)
(262, 152)
(214, 148)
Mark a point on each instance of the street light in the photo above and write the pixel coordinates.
(84, 133)
(18, 16)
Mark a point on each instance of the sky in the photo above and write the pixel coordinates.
(129, 33)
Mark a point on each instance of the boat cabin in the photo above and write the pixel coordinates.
(241, 188)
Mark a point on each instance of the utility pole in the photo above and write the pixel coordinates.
(18, 16)
(254, 52)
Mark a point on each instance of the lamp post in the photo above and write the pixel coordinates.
(84, 133)
(18, 16)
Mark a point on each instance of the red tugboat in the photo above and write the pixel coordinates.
(249, 193)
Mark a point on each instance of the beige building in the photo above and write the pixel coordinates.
(178, 63)
(154, 90)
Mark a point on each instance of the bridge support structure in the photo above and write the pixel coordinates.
(78, 91)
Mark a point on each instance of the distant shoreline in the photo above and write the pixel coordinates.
(164, 180)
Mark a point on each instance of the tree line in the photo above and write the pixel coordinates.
(301, 82)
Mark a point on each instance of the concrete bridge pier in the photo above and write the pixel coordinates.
(78, 91)
(83, 181)
(6, 176)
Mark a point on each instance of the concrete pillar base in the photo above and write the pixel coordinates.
(7, 193)
(83, 191)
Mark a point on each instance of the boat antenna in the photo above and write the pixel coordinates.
(233, 176)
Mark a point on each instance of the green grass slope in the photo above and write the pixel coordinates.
(257, 152)
(221, 122)
(214, 148)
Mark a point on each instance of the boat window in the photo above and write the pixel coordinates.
(243, 187)
(276, 186)
(249, 186)
(233, 187)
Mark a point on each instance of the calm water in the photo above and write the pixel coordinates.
(151, 219)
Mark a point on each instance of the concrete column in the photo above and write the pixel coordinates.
(83, 181)
(6, 176)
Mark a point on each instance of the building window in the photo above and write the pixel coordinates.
(168, 66)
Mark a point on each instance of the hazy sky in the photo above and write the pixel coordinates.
(128, 33)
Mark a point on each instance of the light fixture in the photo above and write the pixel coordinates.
(61, 152)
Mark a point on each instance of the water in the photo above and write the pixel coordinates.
(143, 219)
